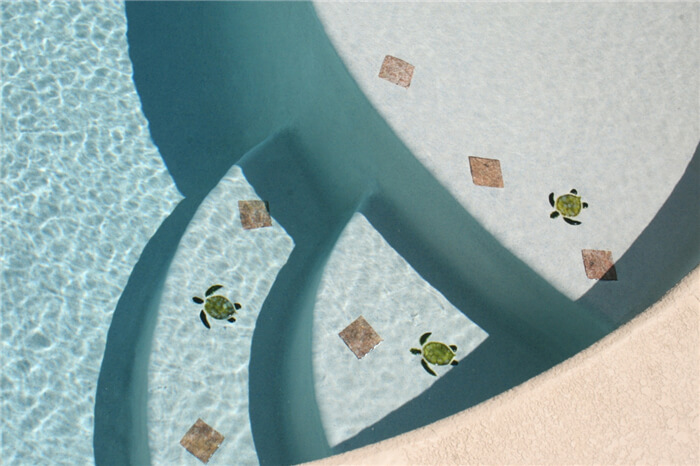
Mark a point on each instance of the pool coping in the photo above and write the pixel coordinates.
(631, 397)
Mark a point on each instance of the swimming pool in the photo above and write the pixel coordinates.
(251, 100)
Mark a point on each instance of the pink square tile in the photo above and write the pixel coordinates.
(599, 265)
(396, 71)
(360, 337)
(486, 172)
(254, 214)
(202, 440)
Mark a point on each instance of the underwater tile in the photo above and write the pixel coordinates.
(360, 337)
(254, 214)
(599, 264)
(202, 440)
(396, 71)
(486, 172)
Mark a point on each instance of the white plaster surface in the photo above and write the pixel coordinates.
(602, 97)
(365, 276)
(195, 372)
(632, 398)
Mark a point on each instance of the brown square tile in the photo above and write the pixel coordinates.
(396, 71)
(599, 264)
(201, 440)
(254, 214)
(360, 337)
(486, 172)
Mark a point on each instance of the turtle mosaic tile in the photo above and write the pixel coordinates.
(202, 440)
(216, 306)
(568, 205)
(435, 353)
(599, 265)
(396, 71)
(254, 214)
(486, 172)
(360, 337)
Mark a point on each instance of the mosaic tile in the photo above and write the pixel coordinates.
(254, 214)
(396, 71)
(435, 353)
(599, 264)
(567, 205)
(486, 172)
(360, 337)
(202, 440)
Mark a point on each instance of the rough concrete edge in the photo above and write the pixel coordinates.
(628, 398)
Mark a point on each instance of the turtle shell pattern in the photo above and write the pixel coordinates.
(569, 205)
(438, 353)
(219, 307)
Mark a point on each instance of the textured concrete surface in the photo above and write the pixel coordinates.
(630, 398)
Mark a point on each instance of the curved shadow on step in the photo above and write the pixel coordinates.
(284, 416)
(121, 433)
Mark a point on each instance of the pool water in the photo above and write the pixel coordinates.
(83, 190)
(130, 217)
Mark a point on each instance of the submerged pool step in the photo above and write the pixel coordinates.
(365, 276)
(197, 371)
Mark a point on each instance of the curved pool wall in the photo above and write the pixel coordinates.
(260, 85)
(217, 79)
(83, 189)
(316, 113)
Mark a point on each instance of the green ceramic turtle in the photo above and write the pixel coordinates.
(568, 205)
(216, 306)
(435, 353)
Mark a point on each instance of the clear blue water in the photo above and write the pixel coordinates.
(259, 85)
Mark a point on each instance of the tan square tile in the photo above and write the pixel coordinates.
(599, 264)
(201, 440)
(396, 71)
(254, 214)
(360, 337)
(486, 172)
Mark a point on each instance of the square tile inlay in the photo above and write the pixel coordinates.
(360, 337)
(486, 172)
(396, 71)
(202, 440)
(254, 214)
(599, 264)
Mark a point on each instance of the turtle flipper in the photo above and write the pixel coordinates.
(231, 319)
(237, 306)
(453, 347)
(454, 362)
(427, 368)
(197, 300)
(551, 199)
(571, 222)
(554, 214)
(424, 337)
(585, 205)
(203, 316)
(415, 351)
(212, 289)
